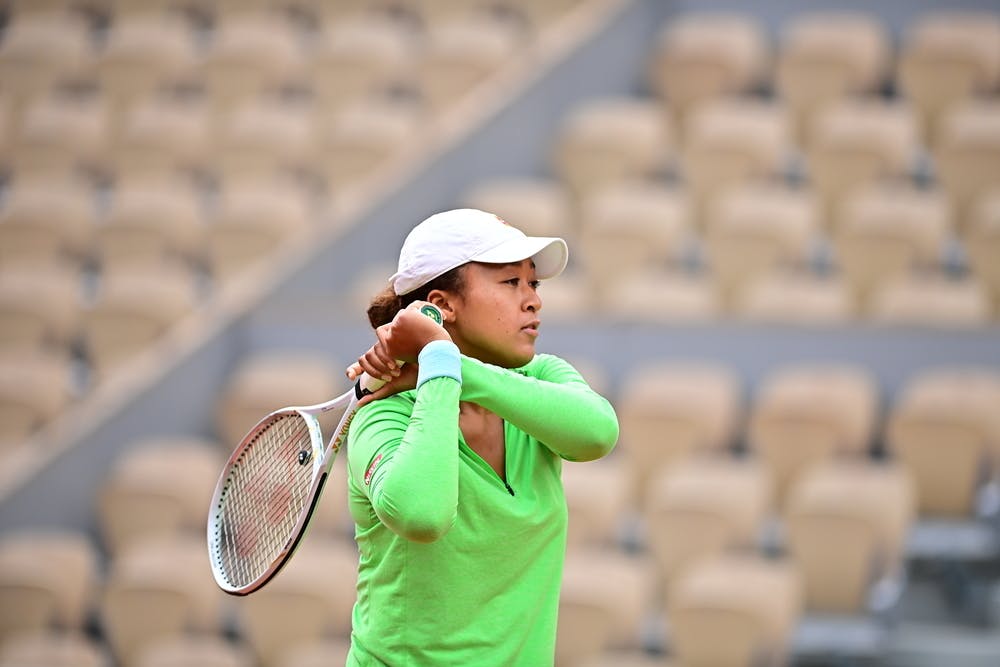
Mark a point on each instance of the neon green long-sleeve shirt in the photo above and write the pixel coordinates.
(457, 565)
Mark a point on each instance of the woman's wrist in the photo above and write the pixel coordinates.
(439, 358)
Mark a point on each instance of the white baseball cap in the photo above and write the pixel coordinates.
(449, 239)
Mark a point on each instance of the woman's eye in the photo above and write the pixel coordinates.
(535, 283)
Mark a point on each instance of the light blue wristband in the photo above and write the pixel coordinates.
(439, 358)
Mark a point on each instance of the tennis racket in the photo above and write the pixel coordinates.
(270, 486)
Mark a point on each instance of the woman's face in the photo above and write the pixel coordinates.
(495, 318)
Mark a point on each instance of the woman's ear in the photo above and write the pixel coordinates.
(445, 303)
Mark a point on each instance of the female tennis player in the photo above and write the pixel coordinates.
(454, 465)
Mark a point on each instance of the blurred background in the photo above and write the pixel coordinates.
(784, 221)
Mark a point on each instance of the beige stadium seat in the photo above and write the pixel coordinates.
(730, 141)
(858, 141)
(39, 308)
(458, 56)
(884, 230)
(567, 298)
(265, 382)
(755, 228)
(152, 221)
(704, 55)
(846, 529)
(598, 495)
(659, 296)
(319, 653)
(825, 56)
(41, 49)
(48, 582)
(160, 135)
(360, 142)
(751, 602)
(364, 57)
(34, 389)
(702, 507)
(54, 649)
(252, 221)
(250, 53)
(944, 429)
(947, 57)
(196, 650)
(143, 54)
(604, 598)
(605, 141)
(967, 154)
(931, 300)
(538, 207)
(807, 413)
(62, 133)
(541, 15)
(158, 590)
(159, 488)
(134, 307)
(797, 298)
(981, 240)
(312, 598)
(669, 411)
(264, 137)
(630, 227)
(46, 221)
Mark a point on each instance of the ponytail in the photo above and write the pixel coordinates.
(387, 303)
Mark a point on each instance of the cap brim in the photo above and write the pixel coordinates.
(550, 254)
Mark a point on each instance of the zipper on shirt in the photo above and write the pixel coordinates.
(509, 490)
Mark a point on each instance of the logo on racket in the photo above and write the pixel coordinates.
(432, 312)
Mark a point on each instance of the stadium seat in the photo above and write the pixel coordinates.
(158, 590)
(602, 603)
(605, 141)
(702, 507)
(134, 307)
(541, 15)
(796, 298)
(825, 56)
(631, 227)
(568, 298)
(265, 137)
(669, 411)
(35, 387)
(858, 141)
(159, 487)
(48, 582)
(152, 221)
(262, 383)
(195, 650)
(946, 57)
(730, 141)
(39, 308)
(46, 221)
(982, 244)
(598, 496)
(752, 602)
(62, 134)
(538, 207)
(931, 300)
(943, 428)
(699, 56)
(360, 58)
(163, 135)
(967, 154)
(846, 528)
(755, 228)
(254, 218)
(660, 297)
(54, 649)
(319, 653)
(887, 230)
(311, 599)
(457, 56)
(807, 413)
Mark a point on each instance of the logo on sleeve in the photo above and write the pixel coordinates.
(371, 470)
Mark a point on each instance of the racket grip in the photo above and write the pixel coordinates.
(367, 384)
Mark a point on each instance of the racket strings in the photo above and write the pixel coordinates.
(265, 493)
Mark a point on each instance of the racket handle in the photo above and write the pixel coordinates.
(367, 384)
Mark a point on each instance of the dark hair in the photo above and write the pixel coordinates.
(387, 303)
